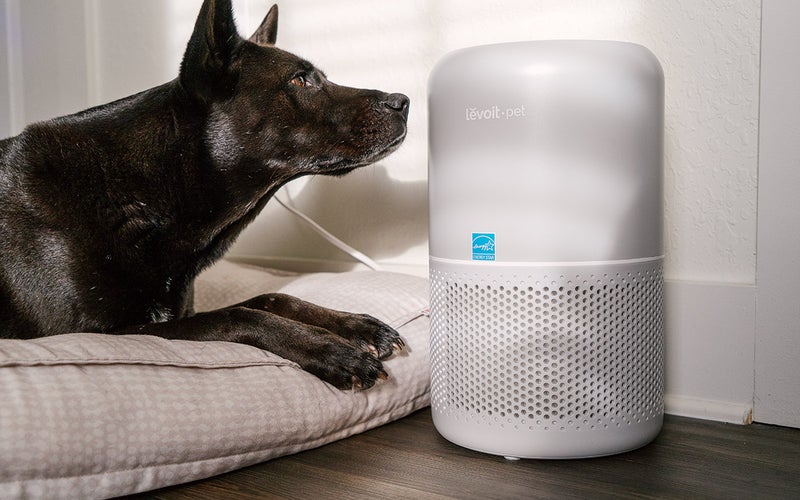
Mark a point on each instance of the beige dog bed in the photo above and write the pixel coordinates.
(87, 415)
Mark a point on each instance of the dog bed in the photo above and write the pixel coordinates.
(87, 415)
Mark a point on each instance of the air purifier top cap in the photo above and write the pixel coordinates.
(546, 151)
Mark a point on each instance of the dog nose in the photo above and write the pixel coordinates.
(398, 102)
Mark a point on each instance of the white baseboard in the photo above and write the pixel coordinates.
(324, 266)
(722, 411)
(297, 265)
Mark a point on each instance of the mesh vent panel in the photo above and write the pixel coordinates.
(577, 350)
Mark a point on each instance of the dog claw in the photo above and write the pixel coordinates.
(383, 375)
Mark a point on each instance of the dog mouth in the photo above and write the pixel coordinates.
(389, 148)
(341, 166)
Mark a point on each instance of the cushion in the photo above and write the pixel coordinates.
(89, 415)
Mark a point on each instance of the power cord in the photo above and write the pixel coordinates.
(341, 245)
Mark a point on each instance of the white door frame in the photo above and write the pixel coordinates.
(777, 339)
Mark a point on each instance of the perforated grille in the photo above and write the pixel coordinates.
(548, 351)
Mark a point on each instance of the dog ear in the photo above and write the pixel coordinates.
(207, 65)
(267, 33)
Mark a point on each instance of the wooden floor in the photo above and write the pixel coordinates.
(408, 459)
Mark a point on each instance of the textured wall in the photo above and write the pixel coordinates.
(710, 53)
(709, 50)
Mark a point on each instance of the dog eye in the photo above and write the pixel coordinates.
(299, 81)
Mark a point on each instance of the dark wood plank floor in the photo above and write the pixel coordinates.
(408, 459)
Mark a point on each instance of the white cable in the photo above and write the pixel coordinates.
(341, 245)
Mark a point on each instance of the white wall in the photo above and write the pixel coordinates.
(106, 49)
(8, 34)
(710, 54)
(5, 92)
(50, 53)
(80, 52)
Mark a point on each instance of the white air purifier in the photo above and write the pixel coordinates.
(546, 251)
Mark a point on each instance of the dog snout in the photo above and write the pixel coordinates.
(398, 102)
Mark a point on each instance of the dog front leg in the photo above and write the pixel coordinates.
(363, 330)
(316, 349)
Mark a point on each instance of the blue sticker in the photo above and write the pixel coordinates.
(483, 246)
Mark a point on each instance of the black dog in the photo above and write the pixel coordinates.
(108, 215)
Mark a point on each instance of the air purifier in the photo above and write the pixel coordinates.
(545, 196)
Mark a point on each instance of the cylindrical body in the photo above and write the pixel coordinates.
(545, 192)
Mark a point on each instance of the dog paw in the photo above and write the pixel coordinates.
(371, 335)
(346, 367)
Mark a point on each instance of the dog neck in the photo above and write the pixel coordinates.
(175, 193)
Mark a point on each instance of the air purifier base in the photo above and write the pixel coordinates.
(547, 361)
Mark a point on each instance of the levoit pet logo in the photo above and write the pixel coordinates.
(483, 246)
(495, 113)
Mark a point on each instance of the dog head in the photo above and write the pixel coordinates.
(273, 113)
